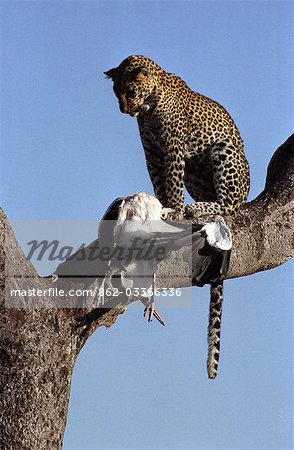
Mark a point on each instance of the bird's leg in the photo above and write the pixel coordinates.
(150, 306)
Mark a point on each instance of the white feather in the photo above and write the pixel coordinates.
(218, 234)
(137, 218)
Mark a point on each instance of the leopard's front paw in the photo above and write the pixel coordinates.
(174, 214)
(192, 212)
(189, 211)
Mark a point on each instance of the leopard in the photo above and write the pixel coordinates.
(190, 141)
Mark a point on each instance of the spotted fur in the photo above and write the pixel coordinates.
(214, 327)
(189, 140)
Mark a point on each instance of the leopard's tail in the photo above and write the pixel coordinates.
(214, 327)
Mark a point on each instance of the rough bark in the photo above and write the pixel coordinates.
(39, 346)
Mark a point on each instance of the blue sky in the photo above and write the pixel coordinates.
(67, 152)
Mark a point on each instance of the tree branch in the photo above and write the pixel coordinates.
(39, 346)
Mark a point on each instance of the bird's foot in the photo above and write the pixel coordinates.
(151, 311)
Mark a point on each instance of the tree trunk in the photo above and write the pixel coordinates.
(39, 346)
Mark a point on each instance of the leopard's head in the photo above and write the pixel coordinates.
(134, 81)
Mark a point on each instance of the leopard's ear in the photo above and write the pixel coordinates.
(111, 73)
(140, 73)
